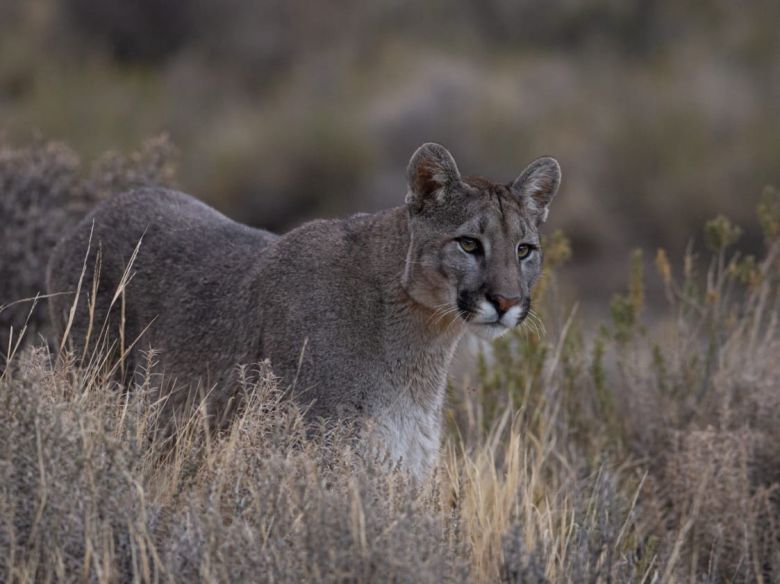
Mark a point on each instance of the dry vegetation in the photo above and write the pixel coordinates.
(639, 453)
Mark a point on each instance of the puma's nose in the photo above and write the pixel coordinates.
(503, 303)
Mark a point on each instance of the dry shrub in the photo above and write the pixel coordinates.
(697, 399)
(69, 495)
(712, 486)
(90, 490)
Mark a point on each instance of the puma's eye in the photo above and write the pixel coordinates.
(468, 244)
(523, 251)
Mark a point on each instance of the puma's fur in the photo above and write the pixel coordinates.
(358, 316)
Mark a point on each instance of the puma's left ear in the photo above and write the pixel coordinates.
(537, 185)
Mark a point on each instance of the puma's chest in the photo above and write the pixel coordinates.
(408, 424)
(410, 433)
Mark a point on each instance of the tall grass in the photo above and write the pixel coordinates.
(644, 450)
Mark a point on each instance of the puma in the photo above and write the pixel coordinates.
(359, 317)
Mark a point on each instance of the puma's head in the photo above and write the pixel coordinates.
(475, 249)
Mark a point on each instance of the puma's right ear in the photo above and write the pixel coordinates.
(431, 171)
(537, 185)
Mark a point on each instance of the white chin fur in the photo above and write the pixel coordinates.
(485, 313)
(511, 317)
(487, 332)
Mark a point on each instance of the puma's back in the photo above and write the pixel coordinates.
(186, 276)
(358, 316)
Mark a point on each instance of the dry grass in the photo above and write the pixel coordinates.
(637, 453)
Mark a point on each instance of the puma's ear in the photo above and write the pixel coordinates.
(431, 171)
(537, 185)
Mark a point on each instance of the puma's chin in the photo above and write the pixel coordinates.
(488, 331)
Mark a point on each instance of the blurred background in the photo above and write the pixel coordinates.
(662, 113)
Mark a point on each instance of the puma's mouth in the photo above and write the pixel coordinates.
(484, 320)
(485, 314)
(498, 321)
